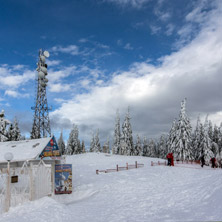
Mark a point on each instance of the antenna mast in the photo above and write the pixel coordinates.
(41, 124)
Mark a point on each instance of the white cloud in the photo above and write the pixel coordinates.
(133, 3)
(155, 92)
(15, 94)
(155, 29)
(58, 75)
(71, 49)
(53, 62)
(14, 77)
(128, 46)
(59, 87)
(170, 29)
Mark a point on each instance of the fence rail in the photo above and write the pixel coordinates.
(118, 168)
(158, 163)
(177, 162)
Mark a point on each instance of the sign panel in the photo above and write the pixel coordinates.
(63, 178)
(51, 151)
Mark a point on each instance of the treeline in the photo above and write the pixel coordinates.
(9, 131)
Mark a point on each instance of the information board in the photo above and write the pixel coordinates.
(63, 178)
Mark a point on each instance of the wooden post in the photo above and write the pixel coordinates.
(97, 171)
(127, 166)
(165, 163)
(117, 168)
(136, 164)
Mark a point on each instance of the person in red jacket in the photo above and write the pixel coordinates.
(169, 159)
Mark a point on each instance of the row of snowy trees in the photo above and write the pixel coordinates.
(74, 146)
(9, 131)
(205, 141)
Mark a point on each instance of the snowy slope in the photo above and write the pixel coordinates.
(158, 193)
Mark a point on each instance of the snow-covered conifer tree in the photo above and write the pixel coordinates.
(10, 133)
(182, 149)
(117, 136)
(172, 137)
(97, 147)
(16, 131)
(138, 148)
(61, 144)
(83, 147)
(73, 145)
(210, 130)
(106, 146)
(205, 144)
(92, 143)
(162, 147)
(151, 148)
(3, 126)
(127, 136)
(196, 141)
(145, 147)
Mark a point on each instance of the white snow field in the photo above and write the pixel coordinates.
(151, 193)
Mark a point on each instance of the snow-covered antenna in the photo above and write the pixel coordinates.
(41, 124)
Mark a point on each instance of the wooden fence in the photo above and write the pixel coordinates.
(177, 162)
(158, 163)
(118, 168)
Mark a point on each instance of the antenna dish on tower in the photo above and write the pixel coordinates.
(46, 54)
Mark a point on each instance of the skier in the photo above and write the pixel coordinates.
(213, 161)
(169, 159)
(202, 160)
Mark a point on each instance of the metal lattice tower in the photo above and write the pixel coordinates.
(41, 124)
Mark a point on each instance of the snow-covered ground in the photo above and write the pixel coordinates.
(158, 193)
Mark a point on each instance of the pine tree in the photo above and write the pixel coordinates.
(92, 143)
(151, 148)
(171, 142)
(162, 147)
(220, 138)
(138, 148)
(73, 145)
(197, 140)
(182, 149)
(127, 147)
(97, 147)
(117, 136)
(106, 146)
(3, 127)
(205, 144)
(83, 147)
(210, 130)
(61, 144)
(10, 133)
(145, 147)
(16, 132)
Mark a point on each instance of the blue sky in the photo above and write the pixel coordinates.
(109, 54)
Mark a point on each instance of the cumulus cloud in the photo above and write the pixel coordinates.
(16, 94)
(155, 92)
(14, 76)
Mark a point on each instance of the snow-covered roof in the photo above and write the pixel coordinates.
(24, 149)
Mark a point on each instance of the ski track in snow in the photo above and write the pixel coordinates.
(158, 193)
